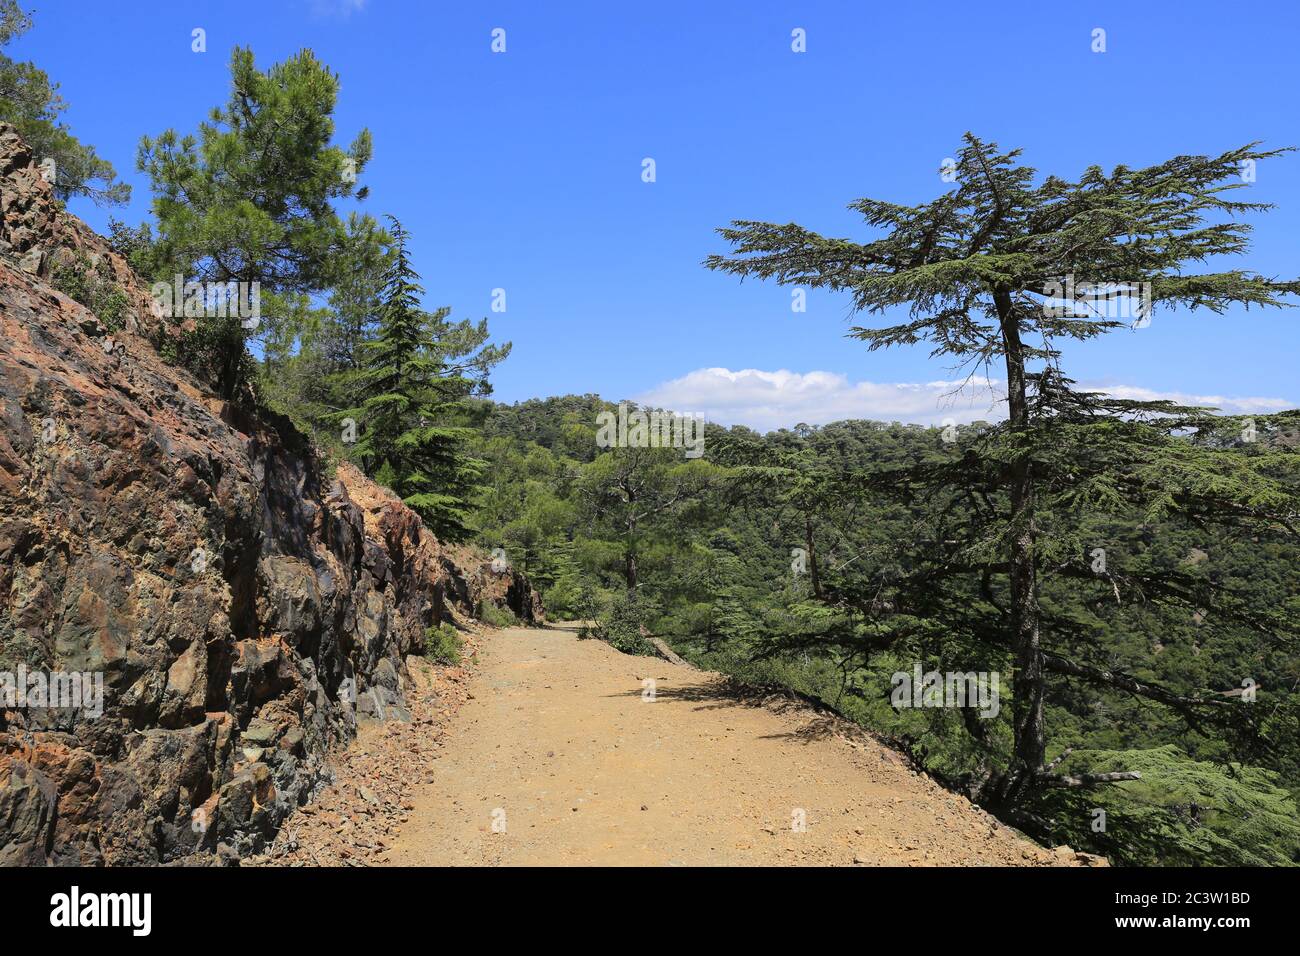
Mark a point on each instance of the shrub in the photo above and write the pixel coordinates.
(213, 351)
(92, 285)
(496, 616)
(135, 244)
(622, 623)
(442, 644)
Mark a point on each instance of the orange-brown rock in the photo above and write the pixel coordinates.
(243, 608)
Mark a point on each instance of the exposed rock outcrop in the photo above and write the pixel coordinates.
(243, 608)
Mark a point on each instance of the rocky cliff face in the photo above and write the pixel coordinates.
(242, 607)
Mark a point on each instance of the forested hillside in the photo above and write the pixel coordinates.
(776, 558)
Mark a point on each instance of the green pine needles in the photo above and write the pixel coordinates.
(411, 393)
(996, 274)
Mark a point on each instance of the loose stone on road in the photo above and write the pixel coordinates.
(570, 753)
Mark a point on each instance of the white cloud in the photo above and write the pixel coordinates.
(1224, 403)
(768, 400)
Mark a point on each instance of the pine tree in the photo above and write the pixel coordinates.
(31, 102)
(305, 353)
(632, 492)
(250, 200)
(412, 388)
(998, 271)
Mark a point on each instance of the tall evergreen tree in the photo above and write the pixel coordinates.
(997, 272)
(303, 357)
(354, 298)
(250, 199)
(412, 386)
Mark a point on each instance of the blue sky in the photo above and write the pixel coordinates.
(522, 170)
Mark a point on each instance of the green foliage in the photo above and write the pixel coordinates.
(214, 351)
(93, 285)
(31, 102)
(135, 244)
(1002, 269)
(719, 581)
(494, 615)
(443, 644)
(621, 622)
(411, 385)
(309, 353)
(250, 198)
(1180, 813)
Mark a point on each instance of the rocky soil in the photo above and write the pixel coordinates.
(246, 606)
(566, 752)
(356, 819)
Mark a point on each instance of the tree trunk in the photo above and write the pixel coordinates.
(629, 545)
(1029, 682)
(629, 567)
(813, 572)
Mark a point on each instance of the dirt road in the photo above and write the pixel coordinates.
(569, 752)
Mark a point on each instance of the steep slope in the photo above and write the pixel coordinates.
(243, 608)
